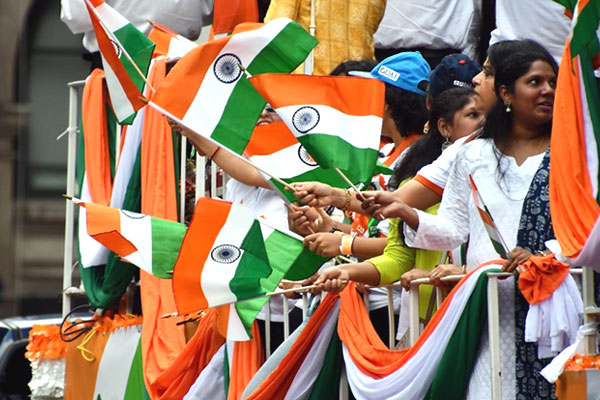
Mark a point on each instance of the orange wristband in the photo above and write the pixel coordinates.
(346, 245)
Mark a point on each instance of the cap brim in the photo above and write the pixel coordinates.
(362, 74)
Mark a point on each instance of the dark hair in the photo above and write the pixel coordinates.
(508, 68)
(407, 109)
(353, 65)
(425, 150)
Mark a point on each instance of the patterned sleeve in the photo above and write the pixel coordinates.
(450, 227)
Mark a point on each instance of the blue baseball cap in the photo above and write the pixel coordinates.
(404, 70)
(455, 70)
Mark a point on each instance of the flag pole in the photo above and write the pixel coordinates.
(114, 38)
(358, 193)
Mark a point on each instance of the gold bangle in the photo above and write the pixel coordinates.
(347, 202)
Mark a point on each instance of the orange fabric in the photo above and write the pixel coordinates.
(391, 159)
(162, 340)
(45, 343)
(95, 136)
(542, 276)
(228, 13)
(430, 185)
(209, 217)
(248, 356)
(104, 225)
(367, 350)
(176, 380)
(110, 55)
(268, 139)
(80, 374)
(572, 385)
(278, 382)
(162, 40)
(572, 205)
(177, 91)
(339, 92)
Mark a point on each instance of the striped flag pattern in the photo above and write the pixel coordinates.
(338, 127)
(123, 80)
(575, 142)
(274, 147)
(152, 244)
(169, 43)
(208, 92)
(488, 222)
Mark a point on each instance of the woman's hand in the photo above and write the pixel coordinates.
(324, 243)
(442, 270)
(333, 279)
(380, 204)
(517, 256)
(415, 273)
(183, 131)
(305, 220)
(316, 194)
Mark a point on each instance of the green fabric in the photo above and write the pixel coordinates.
(584, 40)
(454, 370)
(326, 386)
(397, 258)
(105, 285)
(112, 139)
(135, 383)
(253, 266)
(226, 371)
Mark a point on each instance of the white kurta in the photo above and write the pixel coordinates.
(503, 186)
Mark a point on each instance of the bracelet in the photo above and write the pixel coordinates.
(346, 245)
(214, 153)
(347, 202)
(464, 269)
(337, 231)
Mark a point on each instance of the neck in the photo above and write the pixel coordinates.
(524, 142)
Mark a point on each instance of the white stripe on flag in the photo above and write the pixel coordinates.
(306, 376)
(179, 47)
(235, 328)
(286, 162)
(91, 251)
(120, 102)
(215, 275)
(111, 18)
(210, 383)
(216, 93)
(362, 132)
(138, 231)
(115, 364)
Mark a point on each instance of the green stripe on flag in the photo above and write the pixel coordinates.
(584, 35)
(139, 48)
(454, 370)
(334, 152)
(167, 237)
(253, 265)
(135, 382)
(324, 387)
(328, 176)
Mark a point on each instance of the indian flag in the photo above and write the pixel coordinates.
(228, 256)
(336, 119)
(274, 147)
(488, 222)
(207, 91)
(121, 45)
(151, 244)
(120, 371)
(575, 142)
(169, 43)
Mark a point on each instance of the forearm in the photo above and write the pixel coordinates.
(417, 195)
(363, 273)
(364, 248)
(232, 165)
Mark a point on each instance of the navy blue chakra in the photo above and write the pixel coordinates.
(305, 118)
(225, 253)
(227, 68)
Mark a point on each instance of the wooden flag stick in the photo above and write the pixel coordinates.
(114, 38)
(344, 177)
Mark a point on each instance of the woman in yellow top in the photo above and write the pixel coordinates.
(453, 115)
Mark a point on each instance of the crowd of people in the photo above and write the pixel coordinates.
(441, 128)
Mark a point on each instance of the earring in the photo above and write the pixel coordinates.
(447, 142)
(507, 104)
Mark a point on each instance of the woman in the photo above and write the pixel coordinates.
(510, 164)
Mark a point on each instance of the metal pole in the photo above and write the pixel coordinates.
(182, 176)
(415, 329)
(391, 322)
(214, 170)
(200, 176)
(268, 329)
(286, 317)
(70, 189)
(590, 310)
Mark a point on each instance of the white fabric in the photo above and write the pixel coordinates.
(553, 370)
(589, 256)
(541, 20)
(503, 193)
(413, 379)
(431, 24)
(185, 17)
(404, 318)
(438, 171)
(210, 383)
(458, 217)
(306, 376)
(553, 323)
(47, 379)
